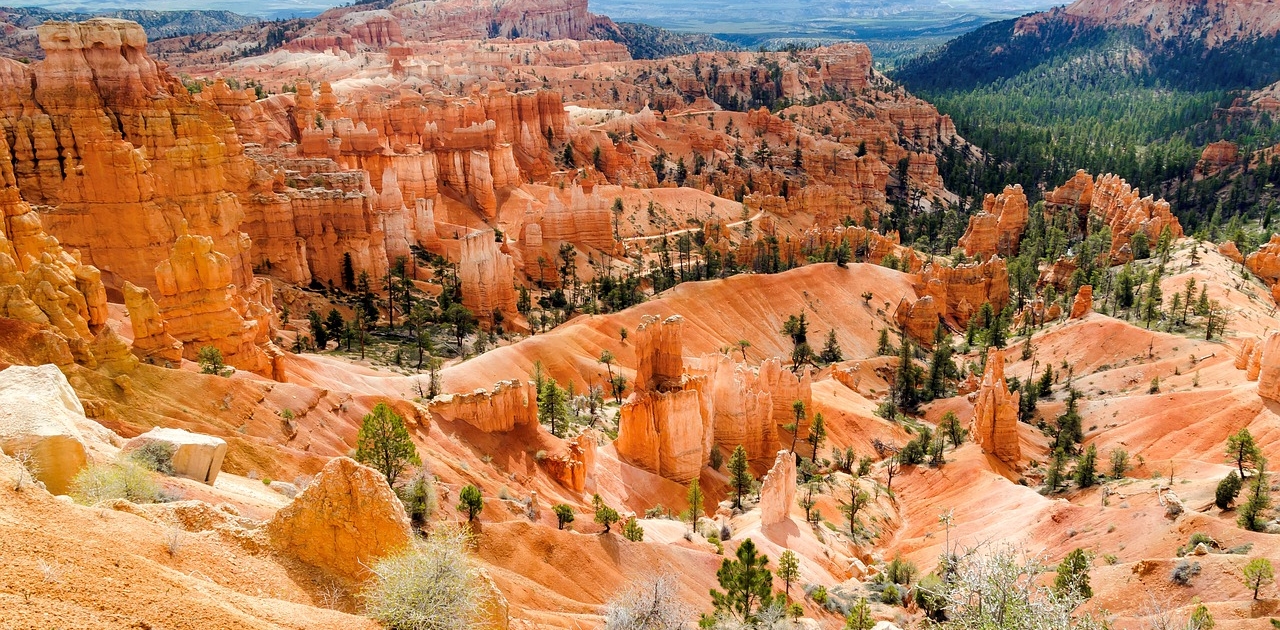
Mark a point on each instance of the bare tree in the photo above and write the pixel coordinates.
(650, 603)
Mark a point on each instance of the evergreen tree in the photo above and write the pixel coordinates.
(553, 409)
(564, 514)
(1228, 490)
(1086, 468)
(788, 570)
(318, 332)
(1252, 515)
(1073, 576)
(631, 530)
(831, 349)
(1241, 449)
(817, 433)
(747, 584)
(1053, 477)
(470, 502)
(695, 499)
(739, 476)
(383, 443)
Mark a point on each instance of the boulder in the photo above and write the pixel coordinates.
(778, 489)
(343, 522)
(195, 456)
(38, 421)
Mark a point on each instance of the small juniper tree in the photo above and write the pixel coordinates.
(470, 502)
(747, 584)
(1073, 576)
(695, 499)
(788, 570)
(1228, 490)
(1257, 574)
(564, 514)
(1251, 513)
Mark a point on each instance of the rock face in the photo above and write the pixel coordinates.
(664, 433)
(778, 489)
(919, 318)
(1265, 263)
(343, 522)
(1083, 303)
(201, 306)
(152, 342)
(998, 228)
(1232, 252)
(995, 412)
(574, 469)
(1216, 157)
(785, 388)
(667, 425)
(1269, 367)
(40, 282)
(1121, 207)
(38, 419)
(743, 408)
(659, 358)
(487, 275)
(195, 456)
(508, 404)
(124, 152)
(961, 291)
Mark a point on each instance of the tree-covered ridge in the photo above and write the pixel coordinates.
(1067, 95)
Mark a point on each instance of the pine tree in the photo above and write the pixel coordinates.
(1251, 513)
(831, 350)
(552, 408)
(383, 443)
(1073, 576)
(631, 530)
(788, 570)
(564, 514)
(695, 499)
(747, 584)
(1086, 468)
(1227, 491)
(470, 502)
(1241, 449)
(1053, 477)
(817, 433)
(739, 477)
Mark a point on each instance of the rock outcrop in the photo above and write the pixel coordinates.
(743, 408)
(38, 421)
(504, 407)
(574, 469)
(1217, 157)
(152, 342)
(487, 275)
(202, 307)
(785, 388)
(998, 229)
(659, 353)
(1232, 252)
(1083, 303)
(195, 456)
(960, 291)
(1116, 204)
(995, 412)
(1268, 365)
(1265, 263)
(778, 489)
(664, 433)
(122, 150)
(919, 319)
(343, 522)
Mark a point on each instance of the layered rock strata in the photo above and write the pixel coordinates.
(995, 413)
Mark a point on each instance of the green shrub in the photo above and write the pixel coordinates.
(891, 595)
(125, 479)
(419, 497)
(156, 456)
(432, 585)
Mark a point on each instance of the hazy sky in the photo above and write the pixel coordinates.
(260, 8)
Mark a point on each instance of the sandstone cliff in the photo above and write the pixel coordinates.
(998, 228)
(778, 489)
(502, 408)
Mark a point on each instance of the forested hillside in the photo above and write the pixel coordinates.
(1067, 95)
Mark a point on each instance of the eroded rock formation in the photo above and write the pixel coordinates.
(664, 433)
(152, 342)
(487, 275)
(1119, 206)
(1083, 303)
(574, 469)
(960, 291)
(659, 353)
(778, 489)
(998, 228)
(1265, 263)
(201, 306)
(507, 405)
(343, 522)
(995, 412)
(1268, 367)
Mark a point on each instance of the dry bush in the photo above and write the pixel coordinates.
(125, 479)
(432, 585)
(651, 603)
